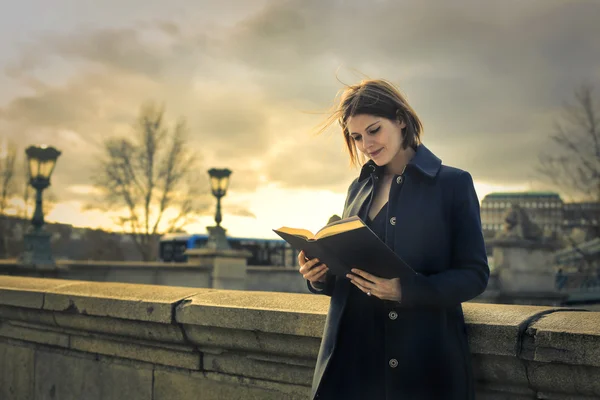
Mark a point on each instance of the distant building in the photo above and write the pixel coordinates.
(545, 209)
(584, 215)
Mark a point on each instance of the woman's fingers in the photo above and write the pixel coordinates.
(301, 257)
(362, 282)
(309, 269)
(364, 289)
(366, 275)
(313, 273)
(308, 265)
(320, 275)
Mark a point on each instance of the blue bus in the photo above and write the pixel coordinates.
(267, 252)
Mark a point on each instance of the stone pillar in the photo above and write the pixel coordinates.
(228, 267)
(525, 273)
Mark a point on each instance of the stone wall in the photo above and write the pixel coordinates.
(65, 339)
(274, 279)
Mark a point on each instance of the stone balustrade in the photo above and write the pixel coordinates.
(66, 339)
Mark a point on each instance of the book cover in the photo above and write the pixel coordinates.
(346, 244)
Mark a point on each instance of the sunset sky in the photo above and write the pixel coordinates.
(488, 80)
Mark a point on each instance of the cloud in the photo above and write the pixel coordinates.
(486, 80)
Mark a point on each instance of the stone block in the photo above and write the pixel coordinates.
(133, 329)
(135, 351)
(253, 342)
(119, 300)
(176, 385)
(568, 337)
(66, 376)
(526, 281)
(245, 366)
(523, 259)
(288, 313)
(36, 316)
(503, 392)
(40, 334)
(500, 370)
(27, 292)
(568, 380)
(494, 328)
(16, 372)
(275, 279)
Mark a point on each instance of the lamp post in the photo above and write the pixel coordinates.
(219, 182)
(36, 242)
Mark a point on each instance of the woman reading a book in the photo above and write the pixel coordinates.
(402, 337)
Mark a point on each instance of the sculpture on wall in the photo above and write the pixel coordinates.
(517, 225)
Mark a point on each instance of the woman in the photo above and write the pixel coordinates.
(387, 338)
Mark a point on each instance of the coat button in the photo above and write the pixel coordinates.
(393, 220)
(399, 179)
(393, 315)
(393, 363)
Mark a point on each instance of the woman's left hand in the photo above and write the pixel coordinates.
(385, 289)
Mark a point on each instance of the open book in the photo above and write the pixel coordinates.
(346, 244)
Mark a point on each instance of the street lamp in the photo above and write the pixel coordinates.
(219, 182)
(41, 162)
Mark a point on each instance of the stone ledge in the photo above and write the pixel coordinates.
(566, 337)
(496, 328)
(119, 300)
(263, 344)
(286, 313)
(27, 292)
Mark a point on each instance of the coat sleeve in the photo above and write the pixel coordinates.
(325, 288)
(468, 274)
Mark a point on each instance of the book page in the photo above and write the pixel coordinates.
(340, 226)
(297, 232)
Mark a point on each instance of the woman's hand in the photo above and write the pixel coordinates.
(385, 289)
(309, 271)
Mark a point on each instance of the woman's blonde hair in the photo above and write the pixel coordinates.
(376, 97)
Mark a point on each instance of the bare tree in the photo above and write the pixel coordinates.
(575, 166)
(150, 174)
(8, 162)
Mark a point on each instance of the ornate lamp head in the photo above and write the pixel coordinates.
(41, 161)
(219, 181)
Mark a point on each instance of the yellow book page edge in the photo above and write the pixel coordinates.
(339, 228)
(297, 232)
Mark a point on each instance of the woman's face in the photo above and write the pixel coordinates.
(378, 138)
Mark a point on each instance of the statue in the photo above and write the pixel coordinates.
(523, 258)
(517, 225)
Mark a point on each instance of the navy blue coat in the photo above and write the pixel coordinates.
(434, 225)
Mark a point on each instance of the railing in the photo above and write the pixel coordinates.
(577, 282)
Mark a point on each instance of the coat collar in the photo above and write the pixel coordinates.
(424, 161)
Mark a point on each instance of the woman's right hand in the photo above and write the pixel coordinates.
(309, 270)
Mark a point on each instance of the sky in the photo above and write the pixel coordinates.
(254, 78)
